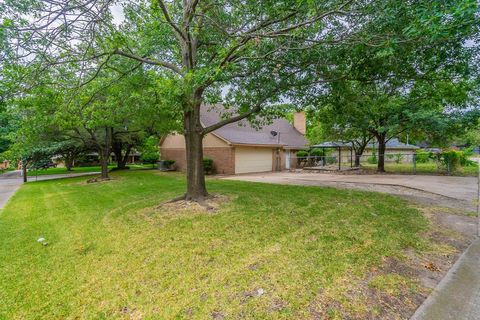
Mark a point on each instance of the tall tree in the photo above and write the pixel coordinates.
(239, 53)
(419, 72)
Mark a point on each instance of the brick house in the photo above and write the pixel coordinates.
(239, 147)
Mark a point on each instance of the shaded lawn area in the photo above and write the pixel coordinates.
(272, 252)
(423, 168)
(59, 170)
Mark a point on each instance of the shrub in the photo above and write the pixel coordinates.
(150, 150)
(464, 161)
(316, 152)
(208, 165)
(372, 159)
(398, 158)
(453, 160)
(168, 163)
(302, 154)
(423, 157)
(331, 159)
(150, 157)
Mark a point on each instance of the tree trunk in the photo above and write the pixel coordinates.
(68, 162)
(104, 165)
(359, 148)
(196, 188)
(381, 152)
(104, 152)
(357, 159)
(24, 171)
(121, 159)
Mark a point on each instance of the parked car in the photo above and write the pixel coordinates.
(43, 165)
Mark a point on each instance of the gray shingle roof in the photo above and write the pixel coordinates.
(332, 144)
(392, 144)
(243, 133)
(396, 144)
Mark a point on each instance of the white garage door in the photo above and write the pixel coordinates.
(249, 159)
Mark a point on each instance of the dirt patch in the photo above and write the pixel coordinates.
(98, 179)
(400, 285)
(389, 292)
(166, 211)
(211, 204)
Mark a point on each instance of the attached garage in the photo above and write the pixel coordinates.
(253, 159)
(241, 147)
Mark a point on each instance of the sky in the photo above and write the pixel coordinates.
(117, 12)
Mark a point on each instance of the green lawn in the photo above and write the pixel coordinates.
(59, 170)
(113, 255)
(423, 168)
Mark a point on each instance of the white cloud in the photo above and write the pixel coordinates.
(117, 13)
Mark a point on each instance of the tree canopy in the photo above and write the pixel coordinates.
(246, 55)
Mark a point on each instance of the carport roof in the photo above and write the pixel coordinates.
(392, 144)
(333, 144)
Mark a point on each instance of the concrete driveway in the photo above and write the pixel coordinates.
(434, 188)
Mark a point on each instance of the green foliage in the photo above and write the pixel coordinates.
(449, 159)
(168, 163)
(302, 154)
(372, 159)
(316, 133)
(399, 157)
(316, 152)
(423, 157)
(386, 66)
(406, 84)
(454, 160)
(208, 165)
(150, 150)
(330, 159)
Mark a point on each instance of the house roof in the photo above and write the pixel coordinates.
(333, 144)
(396, 144)
(391, 144)
(242, 132)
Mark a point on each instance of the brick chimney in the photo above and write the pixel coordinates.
(299, 122)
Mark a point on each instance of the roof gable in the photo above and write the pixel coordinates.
(242, 132)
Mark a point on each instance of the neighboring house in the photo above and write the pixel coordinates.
(393, 147)
(133, 157)
(239, 147)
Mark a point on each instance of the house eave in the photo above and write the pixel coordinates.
(296, 147)
(257, 145)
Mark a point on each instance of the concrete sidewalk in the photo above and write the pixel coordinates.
(9, 184)
(60, 176)
(457, 296)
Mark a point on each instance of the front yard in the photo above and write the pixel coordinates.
(268, 252)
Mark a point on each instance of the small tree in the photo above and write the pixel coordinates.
(150, 151)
